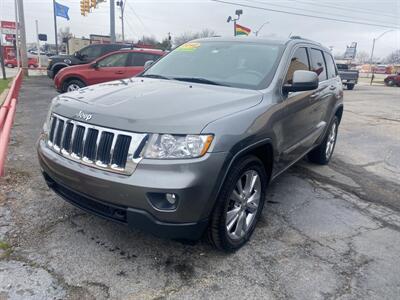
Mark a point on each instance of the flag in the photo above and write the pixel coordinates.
(61, 10)
(241, 30)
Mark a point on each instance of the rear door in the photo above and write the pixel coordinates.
(137, 60)
(111, 67)
(327, 88)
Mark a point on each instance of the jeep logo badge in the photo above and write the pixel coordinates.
(84, 116)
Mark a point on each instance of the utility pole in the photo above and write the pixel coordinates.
(38, 43)
(3, 70)
(24, 56)
(121, 5)
(17, 35)
(112, 21)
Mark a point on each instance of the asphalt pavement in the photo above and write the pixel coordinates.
(326, 232)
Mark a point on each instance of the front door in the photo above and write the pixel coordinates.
(296, 125)
(111, 67)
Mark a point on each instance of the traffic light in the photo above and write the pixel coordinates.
(85, 7)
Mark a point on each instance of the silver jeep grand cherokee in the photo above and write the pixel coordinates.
(190, 145)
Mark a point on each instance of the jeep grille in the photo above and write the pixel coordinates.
(103, 148)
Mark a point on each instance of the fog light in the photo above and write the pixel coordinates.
(171, 198)
(163, 201)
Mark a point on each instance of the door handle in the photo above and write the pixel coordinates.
(315, 95)
(119, 72)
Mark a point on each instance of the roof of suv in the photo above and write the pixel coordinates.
(292, 40)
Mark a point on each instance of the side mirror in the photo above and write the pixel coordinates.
(302, 81)
(148, 63)
(94, 65)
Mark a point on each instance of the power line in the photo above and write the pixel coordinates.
(361, 10)
(304, 15)
(140, 19)
(311, 10)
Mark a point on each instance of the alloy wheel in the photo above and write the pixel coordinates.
(330, 143)
(73, 87)
(243, 204)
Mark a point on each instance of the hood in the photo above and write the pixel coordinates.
(68, 59)
(155, 105)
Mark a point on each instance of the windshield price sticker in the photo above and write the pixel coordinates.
(189, 47)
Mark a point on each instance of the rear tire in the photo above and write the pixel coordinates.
(390, 83)
(10, 65)
(73, 85)
(323, 153)
(239, 204)
(350, 86)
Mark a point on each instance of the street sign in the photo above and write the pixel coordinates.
(42, 37)
(8, 27)
(10, 37)
(351, 51)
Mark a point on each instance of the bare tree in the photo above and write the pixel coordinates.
(63, 33)
(187, 36)
(394, 57)
(362, 57)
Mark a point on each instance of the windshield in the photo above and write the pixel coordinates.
(234, 64)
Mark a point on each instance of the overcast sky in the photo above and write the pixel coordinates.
(157, 18)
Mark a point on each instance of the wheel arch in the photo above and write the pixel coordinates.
(262, 149)
(70, 78)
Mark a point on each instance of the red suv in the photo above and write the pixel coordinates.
(12, 62)
(112, 66)
(393, 80)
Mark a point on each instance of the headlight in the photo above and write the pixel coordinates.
(168, 146)
(46, 125)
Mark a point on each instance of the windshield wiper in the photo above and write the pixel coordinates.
(198, 80)
(155, 76)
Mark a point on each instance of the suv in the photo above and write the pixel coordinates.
(112, 66)
(83, 56)
(190, 145)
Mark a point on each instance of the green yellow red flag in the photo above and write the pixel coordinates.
(241, 30)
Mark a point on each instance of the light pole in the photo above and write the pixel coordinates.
(372, 52)
(261, 27)
(238, 12)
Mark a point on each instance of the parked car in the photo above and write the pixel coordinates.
(12, 62)
(83, 56)
(349, 77)
(112, 66)
(392, 80)
(189, 146)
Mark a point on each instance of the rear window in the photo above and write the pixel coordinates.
(330, 66)
(318, 64)
(139, 59)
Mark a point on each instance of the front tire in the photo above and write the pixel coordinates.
(239, 204)
(73, 85)
(350, 86)
(323, 153)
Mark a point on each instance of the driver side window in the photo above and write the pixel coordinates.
(90, 51)
(299, 61)
(114, 60)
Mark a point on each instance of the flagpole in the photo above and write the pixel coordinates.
(234, 27)
(55, 24)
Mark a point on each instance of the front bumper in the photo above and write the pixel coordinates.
(125, 199)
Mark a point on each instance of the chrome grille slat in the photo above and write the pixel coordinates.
(99, 147)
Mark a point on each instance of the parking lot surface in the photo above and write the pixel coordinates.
(327, 232)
